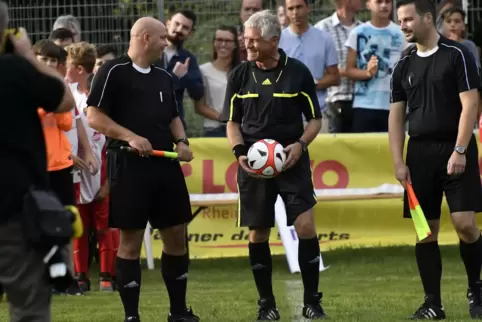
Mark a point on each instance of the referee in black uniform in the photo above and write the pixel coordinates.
(437, 79)
(265, 99)
(133, 103)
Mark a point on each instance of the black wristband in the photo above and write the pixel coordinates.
(239, 150)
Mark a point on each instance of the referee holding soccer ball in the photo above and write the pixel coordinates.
(265, 99)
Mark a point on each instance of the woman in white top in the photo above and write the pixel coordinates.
(215, 74)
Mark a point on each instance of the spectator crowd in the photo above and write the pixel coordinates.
(351, 63)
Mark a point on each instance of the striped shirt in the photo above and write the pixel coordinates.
(339, 32)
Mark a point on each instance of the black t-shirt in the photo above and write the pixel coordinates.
(430, 83)
(23, 89)
(141, 100)
(270, 103)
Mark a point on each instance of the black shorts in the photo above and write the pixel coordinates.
(427, 161)
(258, 196)
(62, 183)
(146, 189)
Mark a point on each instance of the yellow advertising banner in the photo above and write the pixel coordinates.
(341, 161)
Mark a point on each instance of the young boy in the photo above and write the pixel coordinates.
(104, 53)
(103, 194)
(59, 156)
(373, 49)
(454, 29)
(93, 203)
(59, 149)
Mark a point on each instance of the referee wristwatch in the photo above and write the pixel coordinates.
(460, 149)
(304, 146)
(182, 140)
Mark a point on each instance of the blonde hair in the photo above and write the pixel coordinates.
(82, 54)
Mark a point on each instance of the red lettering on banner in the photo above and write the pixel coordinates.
(232, 176)
(186, 169)
(208, 178)
(330, 165)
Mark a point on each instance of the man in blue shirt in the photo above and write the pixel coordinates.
(313, 47)
(179, 62)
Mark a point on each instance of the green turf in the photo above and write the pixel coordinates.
(361, 285)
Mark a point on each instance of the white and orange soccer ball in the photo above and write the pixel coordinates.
(266, 157)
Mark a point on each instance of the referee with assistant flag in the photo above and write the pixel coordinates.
(132, 102)
(437, 79)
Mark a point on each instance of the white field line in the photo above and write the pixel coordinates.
(294, 296)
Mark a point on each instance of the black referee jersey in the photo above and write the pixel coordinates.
(141, 100)
(271, 103)
(430, 84)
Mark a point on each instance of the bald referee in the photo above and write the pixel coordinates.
(437, 79)
(133, 103)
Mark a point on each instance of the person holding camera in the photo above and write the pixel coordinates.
(25, 84)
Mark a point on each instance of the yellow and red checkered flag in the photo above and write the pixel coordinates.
(419, 221)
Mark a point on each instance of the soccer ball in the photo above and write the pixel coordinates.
(266, 157)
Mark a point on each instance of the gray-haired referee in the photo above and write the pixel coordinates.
(266, 97)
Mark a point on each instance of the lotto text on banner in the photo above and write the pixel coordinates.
(344, 161)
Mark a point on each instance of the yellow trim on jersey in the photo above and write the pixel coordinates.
(231, 104)
(279, 76)
(249, 95)
(312, 107)
(285, 95)
(238, 221)
(231, 107)
(254, 76)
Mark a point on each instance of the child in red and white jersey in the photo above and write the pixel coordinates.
(93, 202)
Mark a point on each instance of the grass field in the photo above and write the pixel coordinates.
(361, 285)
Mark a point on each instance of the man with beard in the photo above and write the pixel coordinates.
(179, 62)
(437, 79)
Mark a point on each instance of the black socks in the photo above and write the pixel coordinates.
(472, 257)
(429, 261)
(174, 271)
(262, 266)
(128, 272)
(309, 261)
